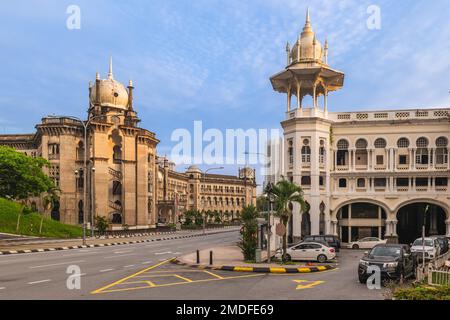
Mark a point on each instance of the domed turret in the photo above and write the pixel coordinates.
(111, 93)
(307, 48)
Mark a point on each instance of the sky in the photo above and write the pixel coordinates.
(211, 60)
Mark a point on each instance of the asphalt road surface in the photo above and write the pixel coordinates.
(142, 271)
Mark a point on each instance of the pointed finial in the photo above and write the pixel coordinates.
(307, 28)
(130, 83)
(97, 76)
(307, 16)
(288, 48)
(326, 43)
(110, 73)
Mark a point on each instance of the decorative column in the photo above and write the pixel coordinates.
(447, 224)
(433, 161)
(289, 98)
(299, 99)
(315, 95)
(325, 100)
(349, 223)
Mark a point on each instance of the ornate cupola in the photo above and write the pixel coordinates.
(307, 72)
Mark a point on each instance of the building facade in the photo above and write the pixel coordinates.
(126, 181)
(365, 173)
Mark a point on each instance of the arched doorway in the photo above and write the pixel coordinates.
(361, 219)
(411, 218)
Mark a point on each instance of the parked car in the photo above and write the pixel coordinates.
(309, 251)
(333, 241)
(394, 260)
(366, 243)
(430, 245)
(443, 244)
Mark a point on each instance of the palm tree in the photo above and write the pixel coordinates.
(286, 194)
(48, 200)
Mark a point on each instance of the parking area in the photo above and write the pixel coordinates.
(169, 281)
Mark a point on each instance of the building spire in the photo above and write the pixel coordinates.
(307, 29)
(110, 73)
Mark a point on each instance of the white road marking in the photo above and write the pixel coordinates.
(116, 252)
(56, 264)
(106, 270)
(129, 266)
(40, 281)
(147, 262)
(123, 255)
(2, 288)
(157, 253)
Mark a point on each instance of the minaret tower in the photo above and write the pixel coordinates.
(308, 73)
(307, 129)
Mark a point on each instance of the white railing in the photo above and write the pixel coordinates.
(389, 115)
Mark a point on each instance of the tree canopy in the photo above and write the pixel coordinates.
(22, 176)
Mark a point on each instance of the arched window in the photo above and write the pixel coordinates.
(117, 154)
(361, 144)
(380, 143)
(306, 154)
(403, 143)
(441, 150)
(422, 142)
(441, 142)
(322, 152)
(80, 151)
(80, 212)
(361, 152)
(116, 218)
(422, 156)
(117, 188)
(342, 153)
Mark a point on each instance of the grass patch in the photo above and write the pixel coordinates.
(30, 222)
(422, 292)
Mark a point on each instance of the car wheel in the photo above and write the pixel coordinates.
(355, 247)
(322, 258)
(362, 279)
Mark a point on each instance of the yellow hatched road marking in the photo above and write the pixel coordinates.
(183, 278)
(214, 275)
(131, 276)
(179, 283)
(304, 269)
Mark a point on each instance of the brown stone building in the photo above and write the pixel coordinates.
(126, 180)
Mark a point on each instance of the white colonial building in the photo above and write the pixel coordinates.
(365, 173)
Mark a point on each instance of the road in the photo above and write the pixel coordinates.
(141, 271)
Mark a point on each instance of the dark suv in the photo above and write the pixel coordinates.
(394, 260)
(332, 241)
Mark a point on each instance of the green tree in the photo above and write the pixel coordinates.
(50, 197)
(249, 230)
(21, 176)
(101, 223)
(286, 194)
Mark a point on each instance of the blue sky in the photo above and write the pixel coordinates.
(211, 60)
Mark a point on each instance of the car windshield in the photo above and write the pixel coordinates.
(385, 251)
(428, 243)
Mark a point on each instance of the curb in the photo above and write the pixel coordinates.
(257, 269)
(9, 252)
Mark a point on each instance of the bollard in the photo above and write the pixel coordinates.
(198, 256)
(210, 258)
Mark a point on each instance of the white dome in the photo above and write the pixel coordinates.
(112, 93)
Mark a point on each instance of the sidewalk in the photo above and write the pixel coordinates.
(40, 245)
(230, 258)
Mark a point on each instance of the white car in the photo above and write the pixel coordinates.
(310, 251)
(431, 248)
(366, 243)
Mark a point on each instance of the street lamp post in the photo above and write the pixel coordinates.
(204, 178)
(271, 198)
